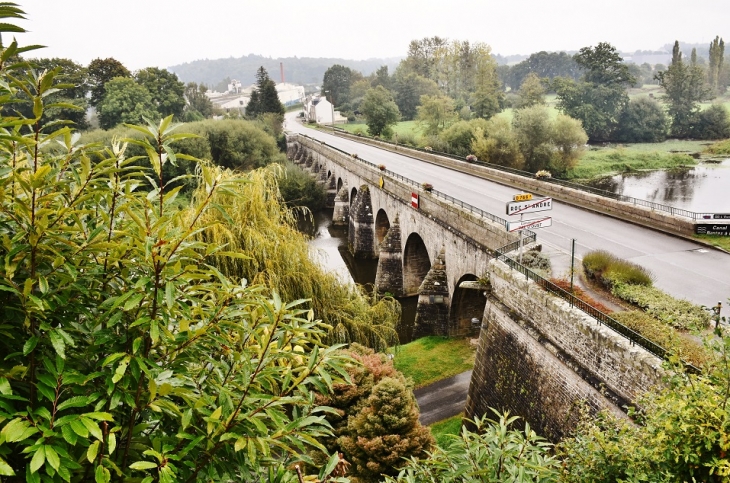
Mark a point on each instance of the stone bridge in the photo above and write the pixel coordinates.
(537, 356)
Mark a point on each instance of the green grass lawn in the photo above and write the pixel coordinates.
(443, 429)
(431, 359)
(604, 162)
(717, 241)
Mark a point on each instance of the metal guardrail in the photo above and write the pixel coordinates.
(633, 336)
(596, 191)
(464, 206)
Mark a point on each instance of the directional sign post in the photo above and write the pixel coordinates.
(524, 203)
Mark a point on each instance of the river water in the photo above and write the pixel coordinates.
(703, 189)
(328, 247)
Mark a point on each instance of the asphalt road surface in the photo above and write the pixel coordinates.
(682, 268)
(443, 399)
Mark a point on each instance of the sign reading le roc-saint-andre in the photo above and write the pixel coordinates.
(712, 229)
(530, 206)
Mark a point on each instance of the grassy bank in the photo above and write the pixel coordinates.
(443, 429)
(604, 162)
(716, 241)
(431, 359)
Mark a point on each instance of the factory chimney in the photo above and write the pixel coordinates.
(281, 67)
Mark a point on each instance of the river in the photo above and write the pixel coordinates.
(702, 189)
(328, 247)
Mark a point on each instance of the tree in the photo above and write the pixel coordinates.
(459, 136)
(533, 131)
(532, 91)
(197, 101)
(423, 56)
(713, 123)
(498, 144)
(494, 452)
(488, 97)
(101, 71)
(264, 98)
(436, 113)
(382, 78)
(684, 87)
(375, 423)
(380, 111)
(409, 87)
(569, 139)
(717, 58)
(643, 121)
(336, 84)
(546, 65)
(125, 101)
(166, 90)
(600, 97)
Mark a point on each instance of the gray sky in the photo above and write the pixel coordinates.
(161, 33)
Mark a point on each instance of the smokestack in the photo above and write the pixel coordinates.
(281, 67)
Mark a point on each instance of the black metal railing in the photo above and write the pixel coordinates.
(602, 318)
(596, 191)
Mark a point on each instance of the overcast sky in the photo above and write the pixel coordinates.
(161, 33)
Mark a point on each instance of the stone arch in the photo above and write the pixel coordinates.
(329, 173)
(466, 304)
(382, 225)
(339, 184)
(353, 194)
(416, 264)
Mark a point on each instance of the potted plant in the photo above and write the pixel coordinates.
(381, 167)
(427, 186)
(471, 159)
(428, 148)
(543, 174)
(354, 155)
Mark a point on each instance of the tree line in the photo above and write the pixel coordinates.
(450, 87)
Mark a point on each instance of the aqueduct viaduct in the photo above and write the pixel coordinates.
(538, 356)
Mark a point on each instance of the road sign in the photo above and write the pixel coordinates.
(522, 197)
(531, 206)
(718, 230)
(414, 200)
(529, 224)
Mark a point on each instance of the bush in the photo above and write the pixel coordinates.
(408, 139)
(656, 331)
(536, 260)
(712, 123)
(722, 147)
(680, 314)
(298, 188)
(643, 121)
(610, 270)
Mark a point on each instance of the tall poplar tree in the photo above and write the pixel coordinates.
(684, 87)
(717, 55)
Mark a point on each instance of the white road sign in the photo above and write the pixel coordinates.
(529, 224)
(530, 206)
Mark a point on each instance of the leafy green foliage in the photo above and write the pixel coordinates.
(125, 101)
(376, 421)
(681, 314)
(643, 121)
(610, 270)
(336, 84)
(166, 90)
(498, 144)
(679, 434)
(713, 123)
(127, 355)
(436, 113)
(459, 136)
(493, 452)
(380, 111)
(101, 71)
(264, 99)
(298, 188)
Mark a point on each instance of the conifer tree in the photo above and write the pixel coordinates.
(264, 98)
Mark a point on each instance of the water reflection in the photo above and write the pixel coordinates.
(701, 189)
(328, 248)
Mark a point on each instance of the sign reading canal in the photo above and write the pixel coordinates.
(718, 230)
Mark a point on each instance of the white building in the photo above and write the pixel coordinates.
(290, 94)
(319, 109)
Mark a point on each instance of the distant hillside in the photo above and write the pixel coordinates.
(299, 70)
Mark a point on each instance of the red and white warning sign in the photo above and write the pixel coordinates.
(414, 200)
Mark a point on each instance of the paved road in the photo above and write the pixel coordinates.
(682, 267)
(443, 399)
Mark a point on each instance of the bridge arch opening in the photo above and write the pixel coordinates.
(382, 225)
(339, 184)
(467, 304)
(329, 173)
(353, 193)
(416, 264)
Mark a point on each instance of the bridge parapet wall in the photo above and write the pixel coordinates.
(625, 211)
(480, 230)
(535, 349)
